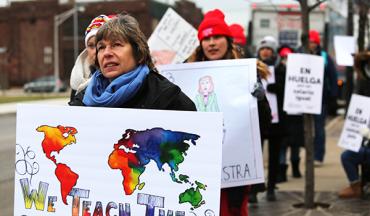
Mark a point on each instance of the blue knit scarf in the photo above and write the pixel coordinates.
(101, 92)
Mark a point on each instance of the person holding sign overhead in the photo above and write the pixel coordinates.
(216, 43)
(127, 77)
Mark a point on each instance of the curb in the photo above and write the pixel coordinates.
(11, 108)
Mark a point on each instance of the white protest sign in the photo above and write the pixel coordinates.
(173, 40)
(357, 119)
(304, 84)
(271, 97)
(100, 161)
(344, 48)
(226, 86)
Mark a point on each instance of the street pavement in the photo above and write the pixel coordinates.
(329, 179)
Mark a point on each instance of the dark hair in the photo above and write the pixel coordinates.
(126, 28)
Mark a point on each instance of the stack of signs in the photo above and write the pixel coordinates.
(173, 40)
(109, 161)
(226, 86)
(357, 120)
(304, 84)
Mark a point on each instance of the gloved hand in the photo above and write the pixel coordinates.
(258, 91)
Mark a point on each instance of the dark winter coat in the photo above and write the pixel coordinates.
(289, 126)
(278, 89)
(156, 92)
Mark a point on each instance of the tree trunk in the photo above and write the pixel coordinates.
(308, 120)
(349, 70)
(363, 20)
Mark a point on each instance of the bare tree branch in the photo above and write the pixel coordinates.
(318, 2)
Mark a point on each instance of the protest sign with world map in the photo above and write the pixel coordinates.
(155, 165)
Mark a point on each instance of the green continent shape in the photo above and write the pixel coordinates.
(184, 178)
(192, 196)
(141, 186)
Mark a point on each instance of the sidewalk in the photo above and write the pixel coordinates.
(329, 179)
(9, 108)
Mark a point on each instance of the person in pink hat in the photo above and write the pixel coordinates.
(85, 62)
(216, 43)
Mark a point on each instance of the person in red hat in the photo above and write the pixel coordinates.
(329, 96)
(240, 39)
(216, 43)
(237, 32)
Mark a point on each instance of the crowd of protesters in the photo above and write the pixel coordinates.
(95, 83)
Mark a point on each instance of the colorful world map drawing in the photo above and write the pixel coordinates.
(130, 155)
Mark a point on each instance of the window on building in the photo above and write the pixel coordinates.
(265, 23)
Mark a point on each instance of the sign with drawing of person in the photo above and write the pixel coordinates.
(225, 86)
(271, 97)
(357, 120)
(304, 84)
(206, 99)
(109, 161)
(173, 40)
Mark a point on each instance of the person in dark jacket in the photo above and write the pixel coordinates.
(292, 124)
(127, 77)
(216, 43)
(330, 92)
(266, 52)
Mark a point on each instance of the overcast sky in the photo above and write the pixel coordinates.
(236, 11)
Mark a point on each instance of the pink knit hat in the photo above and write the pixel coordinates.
(95, 24)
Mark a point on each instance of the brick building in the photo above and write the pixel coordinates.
(26, 29)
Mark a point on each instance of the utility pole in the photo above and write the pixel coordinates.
(58, 20)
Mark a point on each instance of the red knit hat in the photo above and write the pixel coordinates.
(237, 32)
(284, 51)
(213, 24)
(314, 36)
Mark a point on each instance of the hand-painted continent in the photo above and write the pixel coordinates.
(55, 139)
(193, 196)
(137, 148)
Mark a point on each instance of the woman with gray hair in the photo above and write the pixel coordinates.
(127, 77)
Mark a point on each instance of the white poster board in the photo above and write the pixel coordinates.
(271, 97)
(357, 119)
(226, 86)
(173, 40)
(83, 160)
(304, 84)
(344, 49)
